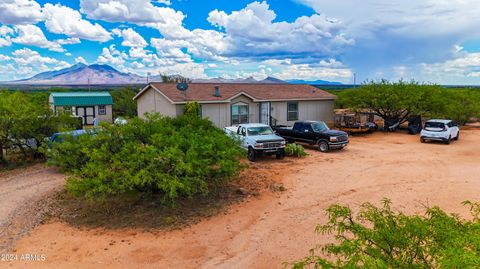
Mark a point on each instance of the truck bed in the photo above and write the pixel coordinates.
(231, 130)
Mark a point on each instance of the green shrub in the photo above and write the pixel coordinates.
(398, 101)
(192, 109)
(378, 237)
(26, 122)
(296, 150)
(123, 103)
(176, 157)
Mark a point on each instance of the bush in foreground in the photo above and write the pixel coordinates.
(378, 237)
(176, 157)
(295, 150)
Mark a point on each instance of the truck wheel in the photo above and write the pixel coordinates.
(280, 154)
(456, 137)
(323, 146)
(422, 139)
(448, 140)
(252, 155)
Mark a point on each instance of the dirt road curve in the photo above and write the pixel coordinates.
(20, 190)
(263, 233)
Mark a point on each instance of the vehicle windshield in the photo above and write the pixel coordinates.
(319, 126)
(434, 125)
(263, 130)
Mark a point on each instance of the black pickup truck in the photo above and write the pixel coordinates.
(314, 133)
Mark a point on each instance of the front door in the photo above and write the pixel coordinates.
(265, 113)
(87, 113)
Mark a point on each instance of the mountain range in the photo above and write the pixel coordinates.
(96, 74)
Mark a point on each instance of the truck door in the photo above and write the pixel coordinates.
(301, 131)
(242, 132)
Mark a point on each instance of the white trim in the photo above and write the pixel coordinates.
(230, 99)
(258, 101)
(141, 92)
(157, 90)
(239, 94)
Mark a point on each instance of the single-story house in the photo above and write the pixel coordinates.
(230, 104)
(86, 105)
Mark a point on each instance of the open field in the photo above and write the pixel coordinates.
(275, 227)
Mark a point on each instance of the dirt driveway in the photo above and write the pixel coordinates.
(20, 192)
(264, 232)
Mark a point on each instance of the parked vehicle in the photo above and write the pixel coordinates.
(354, 122)
(259, 140)
(59, 137)
(440, 130)
(314, 133)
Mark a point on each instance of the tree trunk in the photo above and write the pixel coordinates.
(2, 156)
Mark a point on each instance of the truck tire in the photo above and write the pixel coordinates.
(448, 140)
(252, 155)
(280, 154)
(456, 137)
(422, 140)
(323, 146)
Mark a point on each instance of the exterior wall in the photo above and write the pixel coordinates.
(320, 110)
(105, 118)
(50, 102)
(102, 118)
(253, 109)
(151, 101)
(219, 114)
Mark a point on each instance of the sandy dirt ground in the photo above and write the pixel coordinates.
(20, 192)
(264, 232)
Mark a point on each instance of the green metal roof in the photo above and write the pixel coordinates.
(81, 98)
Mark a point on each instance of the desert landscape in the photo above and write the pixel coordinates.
(273, 227)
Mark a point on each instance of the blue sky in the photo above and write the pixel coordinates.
(427, 40)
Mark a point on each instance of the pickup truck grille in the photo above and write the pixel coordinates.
(272, 145)
(342, 138)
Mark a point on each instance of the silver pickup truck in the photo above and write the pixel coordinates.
(258, 139)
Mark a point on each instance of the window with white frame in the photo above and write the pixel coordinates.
(240, 113)
(102, 110)
(292, 111)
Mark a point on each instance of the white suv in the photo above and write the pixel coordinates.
(440, 130)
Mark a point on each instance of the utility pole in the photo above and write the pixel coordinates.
(148, 77)
(354, 80)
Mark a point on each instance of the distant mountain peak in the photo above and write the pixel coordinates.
(82, 74)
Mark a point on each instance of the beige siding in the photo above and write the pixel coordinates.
(151, 101)
(253, 109)
(219, 114)
(146, 103)
(105, 118)
(320, 110)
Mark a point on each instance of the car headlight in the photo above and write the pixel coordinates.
(333, 139)
(283, 143)
(258, 145)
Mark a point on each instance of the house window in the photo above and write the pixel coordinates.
(67, 109)
(292, 111)
(102, 110)
(239, 113)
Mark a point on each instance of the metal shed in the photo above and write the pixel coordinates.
(87, 105)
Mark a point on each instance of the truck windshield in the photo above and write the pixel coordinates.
(319, 126)
(264, 130)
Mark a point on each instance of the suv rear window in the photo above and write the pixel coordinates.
(434, 125)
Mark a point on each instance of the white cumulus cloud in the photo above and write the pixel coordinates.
(64, 20)
(20, 12)
(32, 35)
(130, 38)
